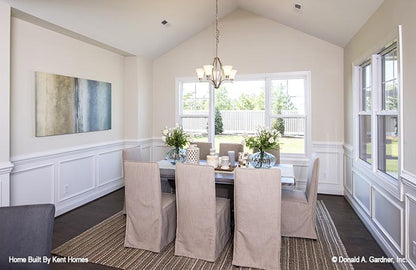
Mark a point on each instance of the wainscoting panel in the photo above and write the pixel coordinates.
(331, 171)
(411, 230)
(68, 178)
(33, 185)
(109, 167)
(382, 211)
(5, 169)
(362, 191)
(388, 216)
(75, 177)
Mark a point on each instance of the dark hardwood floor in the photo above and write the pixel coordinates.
(357, 240)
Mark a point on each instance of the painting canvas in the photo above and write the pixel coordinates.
(66, 105)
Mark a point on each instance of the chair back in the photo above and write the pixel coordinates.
(196, 207)
(312, 181)
(257, 204)
(204, 148)
(143, 199)
(236, 147)
(132, 154)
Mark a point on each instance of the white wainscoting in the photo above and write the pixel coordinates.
(5, 169)
(67, 178)
(331, 169)
(385, 215)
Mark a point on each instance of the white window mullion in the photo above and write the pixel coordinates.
(267, 102)
(211, 117)
(376, 101)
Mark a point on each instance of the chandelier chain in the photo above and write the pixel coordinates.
(217, 32)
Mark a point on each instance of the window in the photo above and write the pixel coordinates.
(279, 101)
(378, 116)
(387, 114)
(288, 113)
(364, 115)
(194, 109)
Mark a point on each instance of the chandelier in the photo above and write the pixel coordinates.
(216, 73)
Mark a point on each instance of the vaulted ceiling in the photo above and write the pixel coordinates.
(135, 26)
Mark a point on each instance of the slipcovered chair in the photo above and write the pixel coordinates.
(236, 147)
(26, 231)
(257, 214)
(204, 148)
(204, 226)
(298, 206)
(131, 154)
(151, 214)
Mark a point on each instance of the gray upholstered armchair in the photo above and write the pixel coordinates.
(26, 231)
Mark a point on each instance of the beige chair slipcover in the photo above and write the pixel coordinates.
(204, 148)
(203, 221)
(131, 154)
(151, 214)
(298, 206)
(236, 147)
(257, 213)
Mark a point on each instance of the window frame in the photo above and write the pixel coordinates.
(392, 184)
(268, 77)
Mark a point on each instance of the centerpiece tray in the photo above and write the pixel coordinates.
(230, 169)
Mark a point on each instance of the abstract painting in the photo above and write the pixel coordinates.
(66, 105)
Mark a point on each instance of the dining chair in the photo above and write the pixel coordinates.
(204, 221)
(26, 231)
(257, 216)
(236, 147)
(298, 206)
(151, 214)
(204, 149)
(130, 154)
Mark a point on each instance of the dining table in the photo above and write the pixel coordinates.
(167, 172)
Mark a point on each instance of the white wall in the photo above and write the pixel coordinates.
(254, 44)
(5, 165)
(67, 170)
(37, 49)
(387, 209)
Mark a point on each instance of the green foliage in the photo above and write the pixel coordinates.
(279, 125)
(175, 137)
(283, 103)
(222, 101)
(263, 140)
(219, 127)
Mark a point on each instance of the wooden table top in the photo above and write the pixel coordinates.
(167, 171)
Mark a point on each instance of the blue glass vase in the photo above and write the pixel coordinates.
(262, 160)
(176, 155)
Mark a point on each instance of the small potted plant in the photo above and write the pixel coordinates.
(264, 139)
(177, 138)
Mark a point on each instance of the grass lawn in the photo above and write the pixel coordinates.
(287, 144)
(392, 152)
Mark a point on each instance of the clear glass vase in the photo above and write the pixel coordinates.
(262, 160)
(176, 155)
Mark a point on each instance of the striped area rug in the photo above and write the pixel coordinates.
(103, 244)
